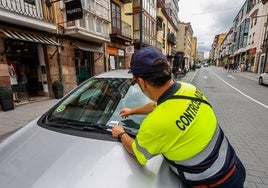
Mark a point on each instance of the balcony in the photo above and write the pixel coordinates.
(122, 36)
(33, 14)
(95, 24)
(171, 38)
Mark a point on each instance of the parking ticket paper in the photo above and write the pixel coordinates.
(113, 123)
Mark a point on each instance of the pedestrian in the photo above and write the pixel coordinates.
(242, 67)
(181, 125)
(229, 66)
(235, 67)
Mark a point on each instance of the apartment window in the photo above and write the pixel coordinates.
(246, 26)
(89, 5)
(116, 18)
(136, 22)
(245, 40)
(91, 22)
(98, 25)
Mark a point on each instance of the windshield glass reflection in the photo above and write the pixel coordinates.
(99, 101)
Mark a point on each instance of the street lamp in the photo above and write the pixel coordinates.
(141, 21)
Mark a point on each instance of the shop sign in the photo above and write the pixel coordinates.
(112, 51)
(130, 49)
(73, 10)
(120, 52)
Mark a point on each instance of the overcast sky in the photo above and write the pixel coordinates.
(209, 18)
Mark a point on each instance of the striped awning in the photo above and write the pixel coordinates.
(29, 37)
(88, 48)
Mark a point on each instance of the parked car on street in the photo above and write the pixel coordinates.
(205, 65)
(263, 78)
(198, 65)
(71, 145)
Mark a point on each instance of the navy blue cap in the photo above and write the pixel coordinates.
(142, 61)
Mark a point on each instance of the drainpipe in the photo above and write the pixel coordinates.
(59, 55)
(141, 23)
(266, 53)
(59, 63)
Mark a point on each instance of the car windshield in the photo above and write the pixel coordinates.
(98, 102)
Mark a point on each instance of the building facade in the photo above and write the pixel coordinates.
(246, 42)
(40, 45)
(185, 36)
(41, 42)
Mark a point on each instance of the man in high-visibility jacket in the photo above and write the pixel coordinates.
(181, 125)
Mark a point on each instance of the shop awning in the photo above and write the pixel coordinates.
(88, 48)
(29, 37)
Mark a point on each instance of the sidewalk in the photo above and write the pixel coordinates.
(23, 114)
(249, 75)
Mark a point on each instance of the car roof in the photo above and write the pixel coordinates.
(119, 73)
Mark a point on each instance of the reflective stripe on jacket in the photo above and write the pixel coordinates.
(210, 164)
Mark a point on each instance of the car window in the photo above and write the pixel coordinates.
(99, 101)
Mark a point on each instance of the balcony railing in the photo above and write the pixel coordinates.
(29, 8)
(123, 35)
(126, 29)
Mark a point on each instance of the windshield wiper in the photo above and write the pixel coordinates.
(87, 126)
(62, 123)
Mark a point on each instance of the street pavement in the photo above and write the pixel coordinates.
(12, 120)
(22, 114)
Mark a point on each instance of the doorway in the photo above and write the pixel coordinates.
(23, 64)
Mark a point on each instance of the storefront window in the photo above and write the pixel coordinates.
(83, 65)
(116, 58)
(24, 70)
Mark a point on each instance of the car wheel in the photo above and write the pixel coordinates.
(260, 81)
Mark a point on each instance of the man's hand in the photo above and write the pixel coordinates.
(143, 110)
(125, 112)
(116, 130)
(126, 139)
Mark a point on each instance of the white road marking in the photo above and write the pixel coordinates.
(242, 93)
(229, 76)
(195, 73)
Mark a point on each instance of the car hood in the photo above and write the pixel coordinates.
(35, 157)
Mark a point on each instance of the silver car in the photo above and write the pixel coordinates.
(263, 78)
(71, 146)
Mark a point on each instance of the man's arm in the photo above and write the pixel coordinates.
(125, 139)
(127, 143)
(144, 109)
